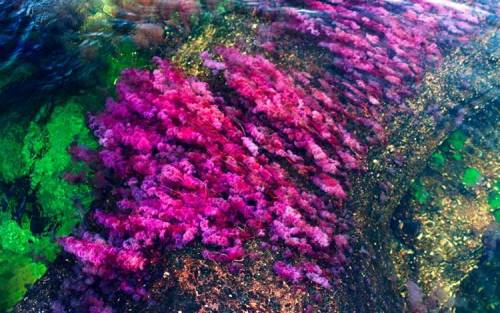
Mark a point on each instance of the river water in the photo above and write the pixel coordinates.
(310, 88)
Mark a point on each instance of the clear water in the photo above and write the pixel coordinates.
(61, 59)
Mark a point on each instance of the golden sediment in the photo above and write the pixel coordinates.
(449, 244)
(234, 29)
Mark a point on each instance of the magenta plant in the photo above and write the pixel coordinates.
(187, 171)
(290, 118)
(382, 49)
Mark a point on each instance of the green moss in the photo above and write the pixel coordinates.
(457, 156)
(437, 160)
(43, 156)
(494, 196)
(124, 56)
(12, 132)
(18, 239)
(17, 272)
(471, 177)
(22, 258)
(457, 140)
(46, 153)
(496, 214)
(420, 193)
(494, 200)
(15, 238)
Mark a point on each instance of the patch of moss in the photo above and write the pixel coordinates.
(457, 140)
(17, 273)
(125, 56)
(496, 214)
(15, 238)
(45, 151)
(420, 193)
(12, 132)
(437, 160)
(494, 199)
(471, 177)
(23, 258)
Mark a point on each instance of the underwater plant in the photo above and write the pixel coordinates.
(38, 202)
(286, 116)
(380, 50)
(187, 164)
(191, 173)
(45, 153)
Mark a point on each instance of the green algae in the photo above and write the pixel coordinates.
(457, 140)
(494, 201)
(125, 55)
(46, 154)
(457, 156)
(437, 160)
(496, 214)
(39, 151)
(471, 176)
(11, 165)
(23, 258)
(420, 193)
(14, 237)
(17, 273)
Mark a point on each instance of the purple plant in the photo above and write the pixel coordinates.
(186, 171)
(287, 115)
(382, 49)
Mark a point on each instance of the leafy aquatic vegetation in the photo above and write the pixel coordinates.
(23, 258)
(420, 193)
(11, 165)
(182, 169)
(40, 152)
(191, 173)
(46, 156)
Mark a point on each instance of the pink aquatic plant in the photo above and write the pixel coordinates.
(382, 49)
(187, 172)
(290, 118)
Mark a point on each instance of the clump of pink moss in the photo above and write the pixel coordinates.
(290, 118)
(382, 49)
(187, 172)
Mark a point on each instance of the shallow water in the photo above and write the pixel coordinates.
(310, 92)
